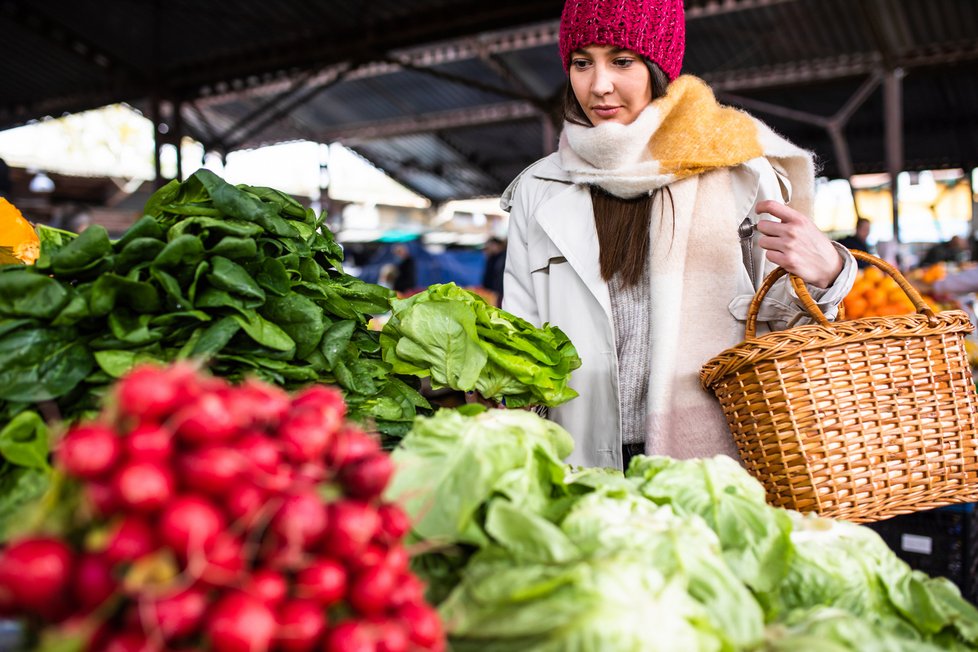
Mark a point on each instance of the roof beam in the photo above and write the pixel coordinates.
(442, 120)
(707, 8)
(67, 39)
(371, 41)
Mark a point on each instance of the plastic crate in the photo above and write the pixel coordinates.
(939, 542)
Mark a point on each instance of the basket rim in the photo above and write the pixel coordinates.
(789, 342)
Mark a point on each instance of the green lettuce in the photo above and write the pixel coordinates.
(615, 601)
(754, 536)
(850, 567)
(828, 629)
(458, 340)
(449, 465)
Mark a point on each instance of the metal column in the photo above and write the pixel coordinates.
(893, 124)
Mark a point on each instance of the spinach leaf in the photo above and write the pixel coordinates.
(24, 441)
(228, 275)
(273, 277)
(88, 254)
(298, 316)
(40, 364)
(25, 293)
(264, 332)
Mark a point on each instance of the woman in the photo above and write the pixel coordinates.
(637, 236)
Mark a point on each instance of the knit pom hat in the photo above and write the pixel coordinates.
(655, 29)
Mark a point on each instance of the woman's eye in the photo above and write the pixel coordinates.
(623, 62)
(580, 64)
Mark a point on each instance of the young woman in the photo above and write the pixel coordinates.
(644, 236)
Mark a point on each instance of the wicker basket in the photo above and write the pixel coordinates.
(860, 420)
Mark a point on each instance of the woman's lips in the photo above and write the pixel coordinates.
(606, 111)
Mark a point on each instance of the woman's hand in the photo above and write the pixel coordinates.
(796, 244)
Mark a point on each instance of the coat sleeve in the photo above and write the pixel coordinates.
(518, 295)
(781, 307)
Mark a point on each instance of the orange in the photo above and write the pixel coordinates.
(874, 274)
(17, 236)
(855, 306)
(876, 297)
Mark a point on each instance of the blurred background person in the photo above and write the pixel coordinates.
(955, 250)
(492, 277)
(858, 239)
(407, 273)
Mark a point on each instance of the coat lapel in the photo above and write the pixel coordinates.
(567, 220)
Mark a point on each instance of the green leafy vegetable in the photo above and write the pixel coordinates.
(458, 340)
(243, 277)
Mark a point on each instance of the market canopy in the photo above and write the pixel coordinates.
(454, 97)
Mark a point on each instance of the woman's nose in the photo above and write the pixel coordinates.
(602, 83)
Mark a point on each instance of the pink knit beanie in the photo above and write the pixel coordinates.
(655, 29)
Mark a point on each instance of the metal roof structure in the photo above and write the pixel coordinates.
(454, 97)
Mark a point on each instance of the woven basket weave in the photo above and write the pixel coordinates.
(862, 419)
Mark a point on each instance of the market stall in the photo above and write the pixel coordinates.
(194, 419)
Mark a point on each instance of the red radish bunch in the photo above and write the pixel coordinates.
(211, 530)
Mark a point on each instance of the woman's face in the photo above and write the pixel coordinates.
(610, 84)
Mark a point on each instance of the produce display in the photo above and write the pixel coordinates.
(526, 553)
(241, 276)
(224, 518)
(876, 294)
(458, 340)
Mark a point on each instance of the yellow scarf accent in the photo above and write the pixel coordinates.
(696, 134)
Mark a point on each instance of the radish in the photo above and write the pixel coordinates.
(301, 625)
(367, 477)
(143, 486)
(372, 555)
(244, 501)
(267, 585)
(301, 521)
(255, 403)
(190, 523)
(326, 400)
(178, 614)
(207, 419)
(423, 625)
(391, 636)
(129, 641)
(349, 445)
(132, 538)
(148, 442)
(92, 582)
(224, 561)
(259, 451)
(370, 591)
(240, 623)
(88, 451)
(304, 436)
(35, 575)
(101, 496)
(352, 524)
(350, 636)
(408, 589)
(149, 392)
(210, 469)
(323, 580)
(394, 522)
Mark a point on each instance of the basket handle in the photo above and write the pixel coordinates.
(812, 308)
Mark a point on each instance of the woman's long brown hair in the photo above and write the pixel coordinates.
(622, 224)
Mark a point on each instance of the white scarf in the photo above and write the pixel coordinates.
(613, 156)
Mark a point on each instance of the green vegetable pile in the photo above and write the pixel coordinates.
(526, 553)
(243, 277)
(462, 342)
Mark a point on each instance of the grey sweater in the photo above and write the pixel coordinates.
(630, 311)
